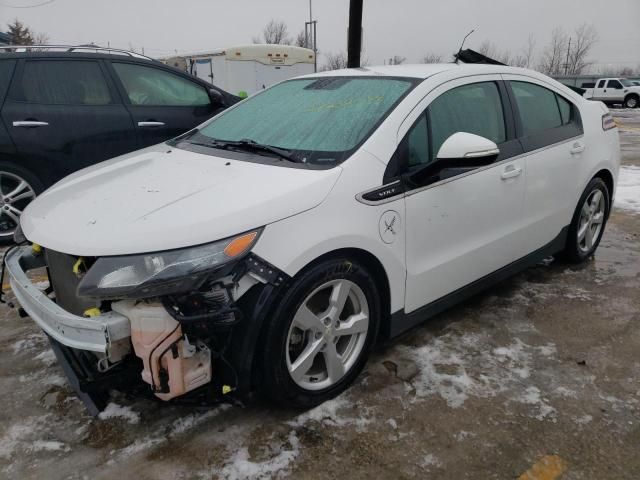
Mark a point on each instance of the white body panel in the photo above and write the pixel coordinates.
(154, 200)
(449, 235)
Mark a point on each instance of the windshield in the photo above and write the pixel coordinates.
(320, 120)
(627, 83)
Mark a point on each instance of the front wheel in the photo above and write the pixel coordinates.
(319, 338)
(588, 222)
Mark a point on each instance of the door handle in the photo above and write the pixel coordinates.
(510, 171)
(577, 147)
(151, 124)
(29, 123)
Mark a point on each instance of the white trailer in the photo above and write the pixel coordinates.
(249, 68)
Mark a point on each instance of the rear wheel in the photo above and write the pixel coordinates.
(18, 187)
(588, 222)
(318, 341)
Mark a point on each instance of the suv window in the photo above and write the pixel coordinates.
(614, 84)
(474, 108)
(154, 87)
(62, 82)
(601, 84)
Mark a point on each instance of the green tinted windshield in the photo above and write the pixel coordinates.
(320, 119)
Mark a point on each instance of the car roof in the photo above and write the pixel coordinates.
(422, 71)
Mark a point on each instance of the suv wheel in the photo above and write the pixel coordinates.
(320, 336)
(18, 188)
(588, 222)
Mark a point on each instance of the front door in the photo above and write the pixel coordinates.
(467, 224)
(163, 104)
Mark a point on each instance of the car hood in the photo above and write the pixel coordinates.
(162, 198)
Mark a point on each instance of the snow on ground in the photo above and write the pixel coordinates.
(114, 410)
(628, 189)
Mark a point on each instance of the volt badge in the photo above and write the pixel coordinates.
(389, 226)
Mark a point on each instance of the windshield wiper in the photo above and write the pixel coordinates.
(252, 145)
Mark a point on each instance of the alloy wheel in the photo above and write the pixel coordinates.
(591, 221)
(327, 334)
(15, 195)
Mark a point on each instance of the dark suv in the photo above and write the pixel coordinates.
(65, 110)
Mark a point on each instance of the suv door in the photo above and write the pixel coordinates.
(550, 130)
(63, 115)
(163, 104)
(468, 224)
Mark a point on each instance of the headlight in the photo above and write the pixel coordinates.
(152, 274)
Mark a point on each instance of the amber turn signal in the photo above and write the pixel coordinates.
(240, 244)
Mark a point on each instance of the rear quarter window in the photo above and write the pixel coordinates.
(58, 82)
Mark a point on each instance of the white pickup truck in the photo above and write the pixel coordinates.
(614, 90)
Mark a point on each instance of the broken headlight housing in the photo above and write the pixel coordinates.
(161, 273)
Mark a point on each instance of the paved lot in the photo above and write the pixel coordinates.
(540, 375)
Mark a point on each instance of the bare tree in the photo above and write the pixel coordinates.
(41, 39)
(334, 61)
(274, 32)
(583, 39)
(397, 60)
(432, 58)
(301, 40)
(529, 51)
(554, 54)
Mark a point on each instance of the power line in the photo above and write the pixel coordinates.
(46, 2)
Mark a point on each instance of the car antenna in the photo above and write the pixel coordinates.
(457, 55)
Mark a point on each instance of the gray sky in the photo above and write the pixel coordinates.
(408, 28)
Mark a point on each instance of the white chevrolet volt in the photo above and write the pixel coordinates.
(269, 248)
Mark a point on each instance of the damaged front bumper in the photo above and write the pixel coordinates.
(107, 334)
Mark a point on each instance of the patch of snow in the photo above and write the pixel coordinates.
(392, 423)
(47, 357)
(31, 342)
(49, 446)
(20, 433)
(628, 189)
(532, 397)
(566, 392)
(113, 410)
(583, 420)
(332, 413)
(241, 467)
(430, 461)
(463, 434)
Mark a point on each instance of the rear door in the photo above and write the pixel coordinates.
(162, 103)
(550, 130)
(599, 90)
(63, 114)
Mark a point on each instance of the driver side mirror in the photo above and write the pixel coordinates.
(217, 100)
(458, 154)
(463, 145)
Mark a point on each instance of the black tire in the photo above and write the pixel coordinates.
(573, 252)
(276, 382)
(631, 101)
(13, 171)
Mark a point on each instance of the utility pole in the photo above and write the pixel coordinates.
(566, 65)
(354, 42)
(310, 36)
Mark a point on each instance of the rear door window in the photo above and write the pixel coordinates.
(538, 107)
(62, 82)
(155, 87)
(6, 71)
(546, 117)
(601, 84)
